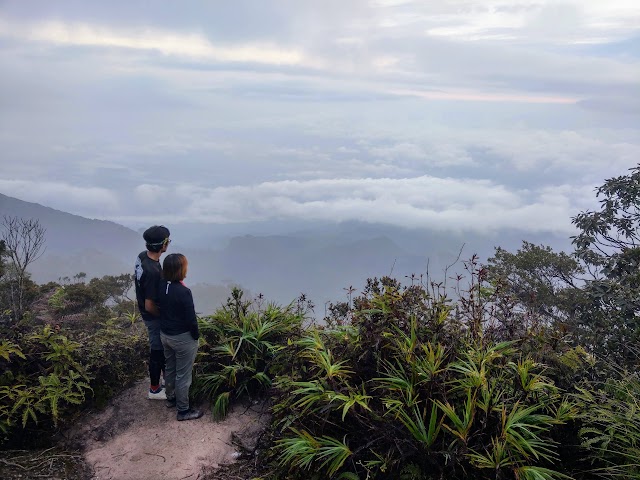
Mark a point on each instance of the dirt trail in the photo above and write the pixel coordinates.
(137, 439)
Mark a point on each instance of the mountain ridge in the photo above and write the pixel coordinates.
(59, 222)
(320, 260)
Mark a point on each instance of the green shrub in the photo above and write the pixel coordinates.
(479, 411)
(114, 356)
(240, 350)
(50, 374)
(42, 380)
(400, 383)
(610, 430)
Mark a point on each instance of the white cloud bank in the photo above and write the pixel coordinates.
(421, 202)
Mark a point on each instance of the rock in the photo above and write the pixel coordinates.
(248, 437)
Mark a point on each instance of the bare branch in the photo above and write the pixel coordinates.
(24, 241)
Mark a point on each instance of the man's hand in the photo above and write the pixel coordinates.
(151, 307)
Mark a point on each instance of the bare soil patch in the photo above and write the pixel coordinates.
(135, 438)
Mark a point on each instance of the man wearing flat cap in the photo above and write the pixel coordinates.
(148, 274)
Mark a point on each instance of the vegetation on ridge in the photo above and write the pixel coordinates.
(521, 368)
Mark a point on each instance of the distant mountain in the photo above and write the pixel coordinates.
(284, 266)
(76, 244)
(320, 260)
(69, 233)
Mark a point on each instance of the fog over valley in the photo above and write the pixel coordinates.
(318, 260)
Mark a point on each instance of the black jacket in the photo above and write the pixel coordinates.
(177, 313)
(148, 274)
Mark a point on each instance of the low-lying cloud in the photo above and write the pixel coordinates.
(421, 202)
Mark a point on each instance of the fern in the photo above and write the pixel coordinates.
(304, 450)
(221, 406)
(8, 348)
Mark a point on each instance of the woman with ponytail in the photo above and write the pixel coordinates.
(179, 334)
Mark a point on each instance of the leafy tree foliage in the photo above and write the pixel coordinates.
(608, 245)
(542, 281)
(593, 295)
(95, 296)
(607, 234)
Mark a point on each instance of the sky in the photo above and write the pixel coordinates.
(449, 114)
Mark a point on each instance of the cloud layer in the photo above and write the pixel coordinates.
(450, 115)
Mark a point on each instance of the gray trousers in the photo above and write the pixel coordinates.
(179, 353)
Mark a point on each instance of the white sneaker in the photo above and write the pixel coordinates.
(159, 395)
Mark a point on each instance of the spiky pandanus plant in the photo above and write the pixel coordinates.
(610, 431)
(320, 391)
(240, 350)
(402, 392)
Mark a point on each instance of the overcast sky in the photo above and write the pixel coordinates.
(447, 114)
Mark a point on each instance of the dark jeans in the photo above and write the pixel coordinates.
(180, 353)
(156, 353)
